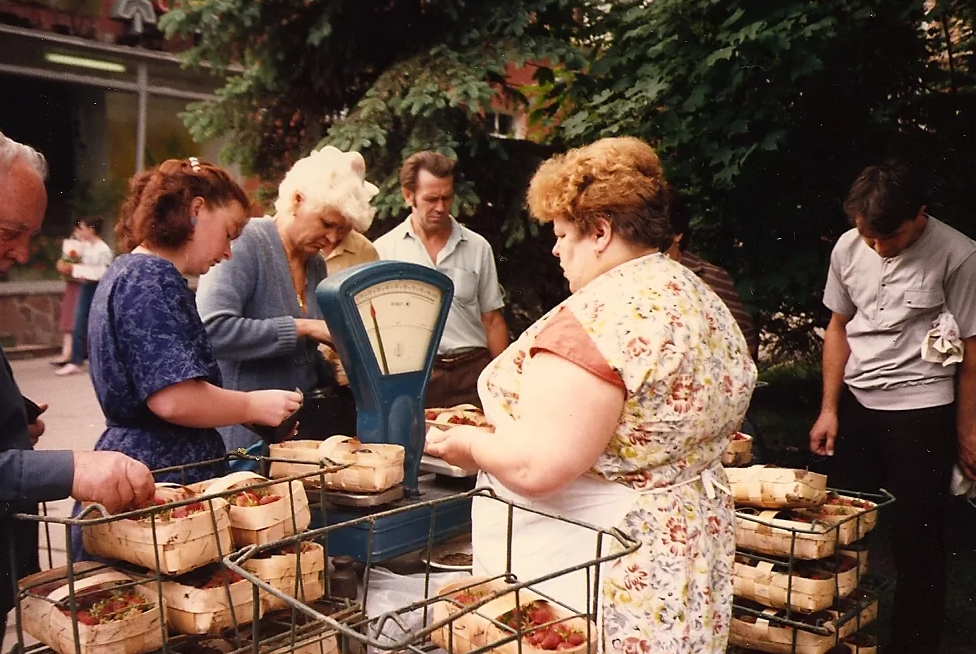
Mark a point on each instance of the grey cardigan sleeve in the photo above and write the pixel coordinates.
(222, 295)
(32, 476)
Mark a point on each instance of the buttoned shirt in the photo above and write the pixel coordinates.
(352, 250)
(893, 303)
(468, 260)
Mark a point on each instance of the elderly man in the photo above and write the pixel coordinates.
(28, 476)
(476, 331)
(890, 417)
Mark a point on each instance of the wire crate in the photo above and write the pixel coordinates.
(443, 619)
(811, 632)
(57, 595)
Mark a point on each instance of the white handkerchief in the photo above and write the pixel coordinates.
(942, 343)
(960, 485)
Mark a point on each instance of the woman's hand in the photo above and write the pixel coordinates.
(317, 330)
(454, 445)
(63, 267)
(270, 408)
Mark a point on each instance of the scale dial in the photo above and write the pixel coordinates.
(399, 318)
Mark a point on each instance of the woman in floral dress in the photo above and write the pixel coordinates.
(614, 409)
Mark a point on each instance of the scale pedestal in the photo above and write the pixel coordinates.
(401, 534)
(386, 319)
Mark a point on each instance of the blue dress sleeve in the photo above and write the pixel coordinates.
(153, 322)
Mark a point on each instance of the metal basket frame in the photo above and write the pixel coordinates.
(146, 577)
(881, 499)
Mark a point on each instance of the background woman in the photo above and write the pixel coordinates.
(95, 257)
(151, 362)
(70, 253)
(259, 307)
(614, 409)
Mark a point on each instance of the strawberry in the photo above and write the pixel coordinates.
(551, 641)
(268, 499)
(575, 638)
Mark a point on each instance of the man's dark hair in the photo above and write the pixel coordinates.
(680, 216)
(433, 162)
(885, 197)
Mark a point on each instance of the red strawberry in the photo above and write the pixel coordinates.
(268, 499)
(551, 641)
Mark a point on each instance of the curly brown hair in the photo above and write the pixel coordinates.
(157, 209)
(617, 179)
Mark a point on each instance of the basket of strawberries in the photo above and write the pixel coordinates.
(185, 534)
(209, 600)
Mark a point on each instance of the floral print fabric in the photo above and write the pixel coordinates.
(689, 378)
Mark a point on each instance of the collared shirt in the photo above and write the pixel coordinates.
(893, 303)
(468, 260)
(719, 280)
(353, 250)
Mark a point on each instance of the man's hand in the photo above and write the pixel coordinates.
(34, 430)
(111, 479)
(454, 445)
(823, 433)
(967, 455)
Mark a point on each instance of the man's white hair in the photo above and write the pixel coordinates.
(330, 178)
(11, 151)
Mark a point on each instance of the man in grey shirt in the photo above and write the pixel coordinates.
(476, 331)
(889, 418)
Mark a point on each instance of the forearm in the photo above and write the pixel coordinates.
(966, 393)
(199, 404)
(496, 331)
(505, 457)
(836, 351)
(29, 476)
(236, 338)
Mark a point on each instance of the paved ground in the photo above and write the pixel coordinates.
(74, 422)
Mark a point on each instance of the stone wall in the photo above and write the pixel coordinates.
(29, 312)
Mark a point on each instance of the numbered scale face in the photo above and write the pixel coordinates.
(400, 318)
(386, 320)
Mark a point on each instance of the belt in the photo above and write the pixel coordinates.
(460, 356)
(707, 477)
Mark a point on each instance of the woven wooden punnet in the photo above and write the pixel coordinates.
(473, 630)
(45, 621)
(191, 609)
(281, 571)
(739, 451)
(182, 544)
(462, 414)
(769, 487)
(859, 551)
(812, 589)
(765, 636)
(372, 467)
(773, 535)
(257, 525)
(860, 644)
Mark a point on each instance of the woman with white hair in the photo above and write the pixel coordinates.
(259, 306)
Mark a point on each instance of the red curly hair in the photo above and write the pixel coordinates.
(157, 210)
(616, 179)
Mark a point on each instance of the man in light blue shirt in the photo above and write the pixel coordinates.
(476, 331)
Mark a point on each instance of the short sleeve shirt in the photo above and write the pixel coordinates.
(468, 260)
(892, 304)
(144, 335)
(352, 250)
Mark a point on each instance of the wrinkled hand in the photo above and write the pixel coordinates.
(270, 408)
(967, 455)
(35, 430)
(823, 433)
(454, 445)
(112, 479)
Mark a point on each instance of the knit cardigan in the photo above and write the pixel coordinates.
(248, 306)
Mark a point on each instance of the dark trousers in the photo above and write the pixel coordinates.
(454, 379)
(909, 453)
(79, 333)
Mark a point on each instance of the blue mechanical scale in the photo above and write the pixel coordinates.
(386, 319)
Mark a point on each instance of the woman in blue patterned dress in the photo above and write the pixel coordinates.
(151, 362)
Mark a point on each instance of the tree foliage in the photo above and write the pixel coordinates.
(764, 113)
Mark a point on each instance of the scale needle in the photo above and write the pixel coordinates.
(379, 339)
